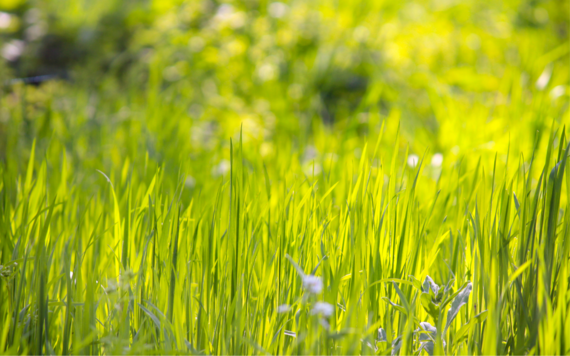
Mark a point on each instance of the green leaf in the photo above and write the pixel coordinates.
(153, 317)
(429, 306)
(460, 299)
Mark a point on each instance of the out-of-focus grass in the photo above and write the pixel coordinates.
(439, 67)
(204, 159)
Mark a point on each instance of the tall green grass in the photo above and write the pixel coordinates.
(138, 259)
(296, 177)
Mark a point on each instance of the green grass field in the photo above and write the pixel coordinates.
(320, 177)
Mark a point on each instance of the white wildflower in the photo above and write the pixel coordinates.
(222, 168)
(277, 9)
(323, 308)
(413, 160)
(544, 78)
(313, 284)
(5, 19)
(224, 12)
(437, 160)
(13, 50)
(284, 308)
(267, 71)
(557, 91)
(310, 153)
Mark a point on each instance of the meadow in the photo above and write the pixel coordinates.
(317, 177)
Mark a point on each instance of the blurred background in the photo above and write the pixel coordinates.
(111, 79)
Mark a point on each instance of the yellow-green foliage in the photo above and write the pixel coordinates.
(316, 177)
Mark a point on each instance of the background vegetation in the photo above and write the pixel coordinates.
(331, 177)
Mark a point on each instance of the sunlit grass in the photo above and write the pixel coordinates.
(145, 264)
(305, 177)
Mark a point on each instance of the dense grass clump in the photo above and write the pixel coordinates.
(354, 255)
(284, 177)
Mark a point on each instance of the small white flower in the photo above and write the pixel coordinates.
(190, 182)
(310, 153)
(313, 284)
(13, 50)
(267, 71)
(284, 308)
(324, 323)
(222, 168)
(277, 9)
(5, 20)
(544, 78)
(437, 160)
(557, 91)
(322, 308)
(413, 160)
(224, 11)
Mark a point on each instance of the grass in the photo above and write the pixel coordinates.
(133, 268)
(303, 178)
